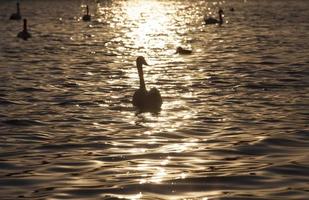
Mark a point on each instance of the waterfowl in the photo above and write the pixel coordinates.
(17, 15)
(24, 34)
(87, 17)
(211, 20)
(181, 50)
(146, 101)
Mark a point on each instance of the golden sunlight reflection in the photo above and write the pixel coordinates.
(150, 28)
(131, 197)
(149, 24)
(152, 173)
(157, 170)
(179, 147)
(166, 121)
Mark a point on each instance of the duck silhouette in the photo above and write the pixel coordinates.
(87, 17)
(211, 20)
(183, 51)
(145, 101)
(17, 15)
(24, 34)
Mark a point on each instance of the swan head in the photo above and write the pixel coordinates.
(140, 60)
(221, 11)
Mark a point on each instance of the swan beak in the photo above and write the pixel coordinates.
(145, 63)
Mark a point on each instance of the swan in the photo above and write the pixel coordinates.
(87, 17)
(24, 34)
(181, 50)
(211, 20)
(142, 99)
(16, 16)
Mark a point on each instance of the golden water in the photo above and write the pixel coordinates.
(234, 119)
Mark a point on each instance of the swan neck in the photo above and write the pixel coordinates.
(220, 18)
(18, 8)
(87, 8)
(141, 76)
(25, 25)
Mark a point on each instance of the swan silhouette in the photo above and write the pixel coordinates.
(24, 34)
(211, 20)
(183, 51)
(87, 17)
(17, 15)
(145, 101)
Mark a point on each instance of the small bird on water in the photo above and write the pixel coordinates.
(17, 15)
(87, 17)
(24, 34)
(183, 51)
(145, 101)
(211, 20)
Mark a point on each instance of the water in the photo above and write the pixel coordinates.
(233, 125)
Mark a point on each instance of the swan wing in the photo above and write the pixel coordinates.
(155, 98)
(138, 98)
(211, 20)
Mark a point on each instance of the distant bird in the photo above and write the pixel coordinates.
(87, 17)
(211, 20)
(24, 34)
(183, 51)
(145, 101)
(17, 15)
(232, 9)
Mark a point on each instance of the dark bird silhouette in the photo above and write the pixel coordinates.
(87, 17)
(183, 51)
(24, 34)
(211, 20)
(145, 101)
(17, 15)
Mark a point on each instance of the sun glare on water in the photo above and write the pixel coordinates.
(149, 23)
(151, 31)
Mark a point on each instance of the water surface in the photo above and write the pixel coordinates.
(233, 125)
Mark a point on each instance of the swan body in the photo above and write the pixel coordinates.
(24, 34)
(183, 51)
(142, 99)
(147, 100)
(87, 17)
(211, 20)
(17, 15)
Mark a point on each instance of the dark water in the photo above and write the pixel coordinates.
(233, 125)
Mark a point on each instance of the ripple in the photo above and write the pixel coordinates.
(23, 122)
